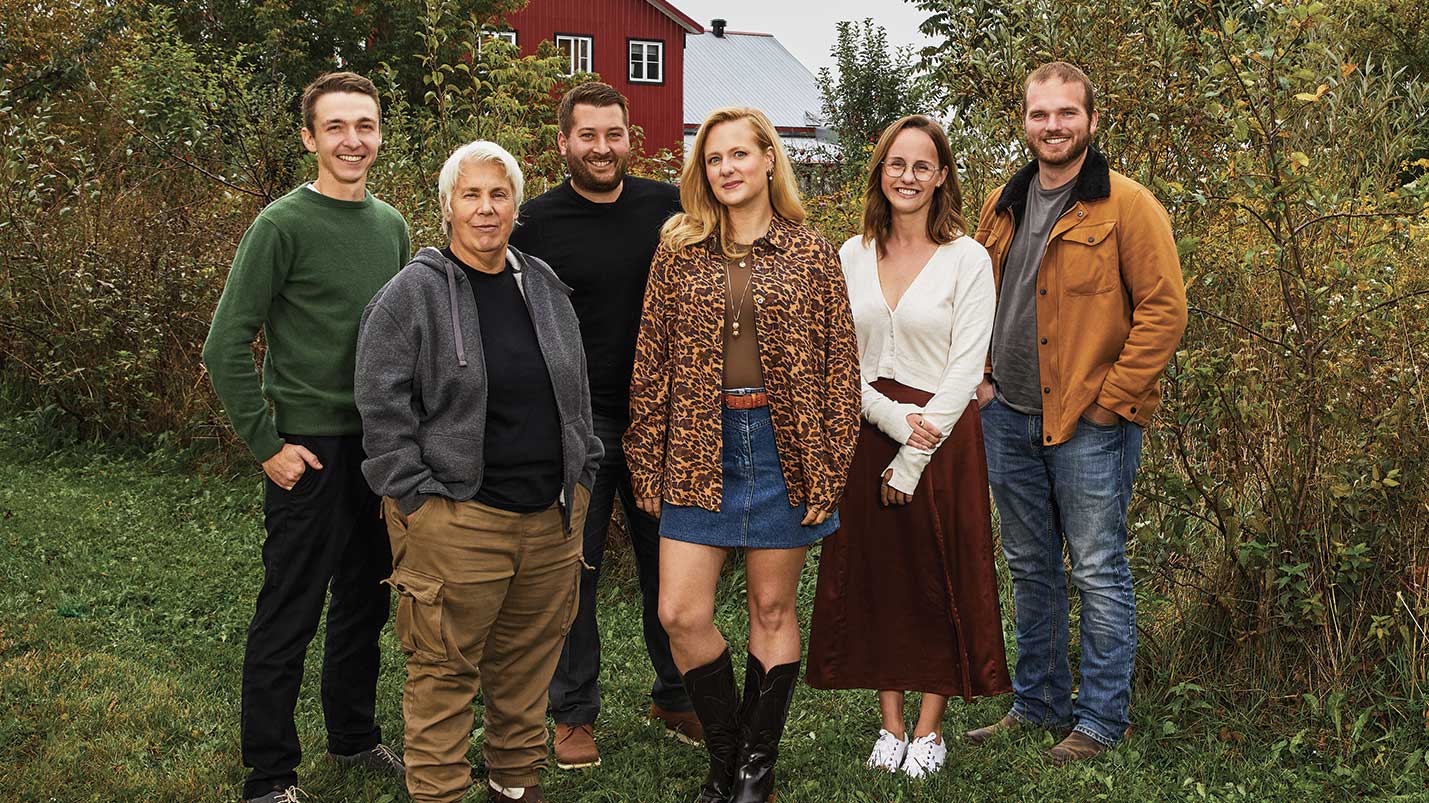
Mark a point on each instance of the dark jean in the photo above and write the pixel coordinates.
(324, 533)
(575, 688)
(754, 510)
(1074, 493)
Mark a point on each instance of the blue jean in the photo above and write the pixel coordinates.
(1074, 493)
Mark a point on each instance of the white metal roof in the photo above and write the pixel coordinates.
(749, 69)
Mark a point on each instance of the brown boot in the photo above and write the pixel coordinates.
(1076, 747)
(1008, 724)
(682, 725)
(575, 746)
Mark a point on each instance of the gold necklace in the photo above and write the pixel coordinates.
(729, 287)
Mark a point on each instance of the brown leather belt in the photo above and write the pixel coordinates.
(745, 401)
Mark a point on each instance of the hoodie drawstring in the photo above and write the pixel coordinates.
(456, 316)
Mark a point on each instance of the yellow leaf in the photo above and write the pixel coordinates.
(1307, 97)
(1300, 159)
(1346, 69)
(1321, 90)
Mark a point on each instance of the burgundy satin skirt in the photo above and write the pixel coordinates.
(907, 594)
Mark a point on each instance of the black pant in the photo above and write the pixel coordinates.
(575, 689)
(326, 531)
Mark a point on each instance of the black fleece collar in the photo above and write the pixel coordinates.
(1093, 183)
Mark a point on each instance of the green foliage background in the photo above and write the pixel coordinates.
(1280, 536)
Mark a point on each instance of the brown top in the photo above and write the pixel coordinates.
(741, 331)
(808, 356)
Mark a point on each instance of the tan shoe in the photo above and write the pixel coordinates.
(682, 725)
(575, 746)
(1008, 724)
(1076, 747)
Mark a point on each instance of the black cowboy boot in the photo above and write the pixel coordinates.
(767, 695)
(716, 702)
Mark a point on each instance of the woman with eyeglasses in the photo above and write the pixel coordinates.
(907, 594)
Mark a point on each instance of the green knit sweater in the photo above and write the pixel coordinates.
(303, 273)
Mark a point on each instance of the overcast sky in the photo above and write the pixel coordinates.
(806, 27)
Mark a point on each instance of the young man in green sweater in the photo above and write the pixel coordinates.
(303, 273)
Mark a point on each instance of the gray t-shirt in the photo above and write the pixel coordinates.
(1015, 370)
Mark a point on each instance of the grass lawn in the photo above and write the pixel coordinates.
(127, 590)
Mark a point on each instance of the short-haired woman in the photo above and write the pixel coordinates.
(744, 412)
(471, 381)
(907, 594)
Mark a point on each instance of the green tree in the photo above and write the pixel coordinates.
(875, 85)
(1279, 513)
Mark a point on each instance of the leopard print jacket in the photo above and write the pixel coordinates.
(807, 350)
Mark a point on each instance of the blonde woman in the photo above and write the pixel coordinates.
(907, 595)
(744, 412)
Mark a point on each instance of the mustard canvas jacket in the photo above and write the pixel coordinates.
(1111, 300)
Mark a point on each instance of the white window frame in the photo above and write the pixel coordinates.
(508, 36)
(577, 43)
(644, 46)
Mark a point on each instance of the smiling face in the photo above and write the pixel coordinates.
(735, 166)
(597, 149)
(345, 136)
(482, 212)
(1056, 122)
(914, 153)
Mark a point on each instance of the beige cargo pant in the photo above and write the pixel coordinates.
(485, 599)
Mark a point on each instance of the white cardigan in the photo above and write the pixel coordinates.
(936, 340)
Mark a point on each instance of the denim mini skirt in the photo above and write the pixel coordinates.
(754, 511)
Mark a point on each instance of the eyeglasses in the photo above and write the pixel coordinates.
(922, 171)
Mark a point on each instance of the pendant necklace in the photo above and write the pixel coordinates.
(729, 286)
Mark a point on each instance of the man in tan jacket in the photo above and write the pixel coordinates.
(1091, 305)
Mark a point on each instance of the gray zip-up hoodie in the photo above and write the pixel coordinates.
(421, 381)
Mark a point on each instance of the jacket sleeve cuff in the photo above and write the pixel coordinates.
(1129, 407)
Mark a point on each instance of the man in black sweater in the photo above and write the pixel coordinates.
(599, 230)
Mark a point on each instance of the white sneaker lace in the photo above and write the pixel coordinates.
(291, 795)
(923, 756)
(886, 751)
(387, 756)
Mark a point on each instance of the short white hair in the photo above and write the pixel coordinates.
(479, 151)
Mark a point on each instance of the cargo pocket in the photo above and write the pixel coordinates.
(419, 615)
(568, 618)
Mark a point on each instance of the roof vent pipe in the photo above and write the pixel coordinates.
(718, 26)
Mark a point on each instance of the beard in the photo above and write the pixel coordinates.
(582, 175)
(1078, 146)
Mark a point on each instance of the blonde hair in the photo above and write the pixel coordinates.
(704, 214)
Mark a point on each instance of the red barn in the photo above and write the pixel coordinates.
(637, 46)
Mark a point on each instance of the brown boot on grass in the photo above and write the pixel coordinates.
(1008, 724)
(575, 746)
(1076, 747)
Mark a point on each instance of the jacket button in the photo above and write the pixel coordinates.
(1046, 390)
(1049, 438)
(1044, 341)
(1091, 239)
(1080, 213)
(1133, 411)
(1042, 292)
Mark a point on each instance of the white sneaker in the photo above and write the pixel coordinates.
(887, 752)
(925, 756)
